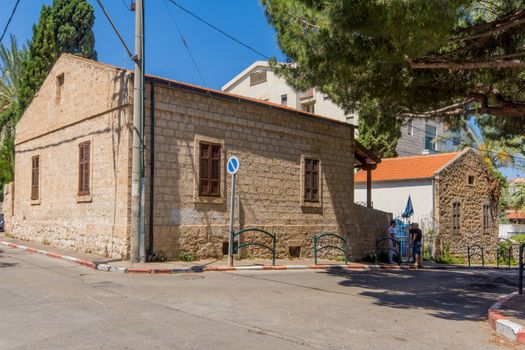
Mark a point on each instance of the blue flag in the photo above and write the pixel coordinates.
(409, 210)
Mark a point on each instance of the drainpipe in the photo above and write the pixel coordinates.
(152, 165)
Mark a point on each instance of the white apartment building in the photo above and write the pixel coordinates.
(259, 81)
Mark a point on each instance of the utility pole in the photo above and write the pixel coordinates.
(138, 111)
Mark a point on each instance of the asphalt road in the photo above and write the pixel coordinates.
(51, 304)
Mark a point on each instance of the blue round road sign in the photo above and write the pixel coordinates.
(233, 165)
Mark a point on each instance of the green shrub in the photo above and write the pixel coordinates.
(447, 258)
(186, 256)
(519, 238)
(427, 254)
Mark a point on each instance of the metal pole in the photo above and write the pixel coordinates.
(232, 210)
(520, 278)
(239, 225)
(137, 137)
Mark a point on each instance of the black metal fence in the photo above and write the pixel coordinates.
(476, 250)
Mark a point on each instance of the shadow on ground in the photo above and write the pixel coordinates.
(452, 295)
(4, 264)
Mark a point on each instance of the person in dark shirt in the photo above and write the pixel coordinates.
(416, 237)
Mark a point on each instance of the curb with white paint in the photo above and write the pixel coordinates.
(108, 268)
(502, 325)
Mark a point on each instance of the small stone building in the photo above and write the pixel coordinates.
(73, 171)
(454, 195)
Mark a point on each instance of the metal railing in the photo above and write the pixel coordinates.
(504, 248)
(520, 276)
(272, 235)
(330, 234)
(395, 243)
(476, 250)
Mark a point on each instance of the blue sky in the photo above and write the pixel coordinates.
(218, 58)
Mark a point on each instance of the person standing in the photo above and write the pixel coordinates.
(392, 235)
(416, 242)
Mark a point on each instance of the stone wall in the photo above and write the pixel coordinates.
(93, 106)
(7, 206)
(270, 144)
(452, 186)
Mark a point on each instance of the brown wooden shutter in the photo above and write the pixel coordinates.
(35, 172)
(311, 180)
(209, 169)
(83, 168)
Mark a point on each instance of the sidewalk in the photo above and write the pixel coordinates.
(170, 267)
(507, 317)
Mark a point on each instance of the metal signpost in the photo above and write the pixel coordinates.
(232, 167)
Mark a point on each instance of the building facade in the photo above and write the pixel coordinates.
(259, 81)
(454, 196)
(73, 171)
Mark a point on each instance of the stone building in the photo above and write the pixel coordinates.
(73, 171)
(259, 81)
(454, 195)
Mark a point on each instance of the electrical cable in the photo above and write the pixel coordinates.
(9, 20)
(218, 29)
(195, 65)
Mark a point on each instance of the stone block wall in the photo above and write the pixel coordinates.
(452, 186)
(7, 206)
(270, 144)
(93, 106)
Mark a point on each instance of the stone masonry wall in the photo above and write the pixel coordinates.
(451, 186)
(270, 144)
(93, 106)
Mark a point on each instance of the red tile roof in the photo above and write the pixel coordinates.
(411, 167)
(515, 215)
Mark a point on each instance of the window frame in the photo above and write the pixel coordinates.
(84, 169)
(456, 217)
(307, 176)
(485, 211)
(35, 179)
(258, 77)
(60, 79)
(284, 100)
(410, 127)
(430, 139)
(209, 168)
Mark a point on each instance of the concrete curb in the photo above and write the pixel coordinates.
(82, 262)
(194, 269)
(502, 325)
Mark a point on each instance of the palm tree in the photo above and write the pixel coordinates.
(12, 61)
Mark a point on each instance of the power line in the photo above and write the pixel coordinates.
(186, 45)
(219, 30)
(132, 56)
(9, 20)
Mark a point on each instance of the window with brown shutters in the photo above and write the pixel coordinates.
(311, 180)
(209, 169)
(83, 168)
(35, 176)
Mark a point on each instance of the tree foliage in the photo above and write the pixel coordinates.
(12, 59)
(427, 59)
(64, 27)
